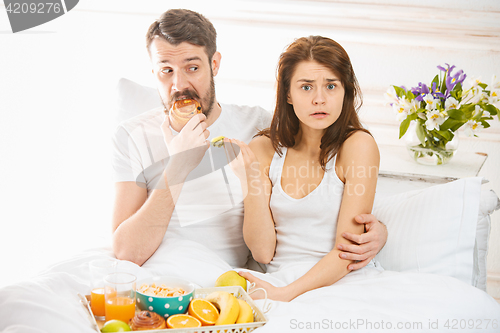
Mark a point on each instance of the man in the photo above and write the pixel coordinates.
(169, 184)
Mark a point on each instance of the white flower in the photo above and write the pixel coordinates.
(495, 82)
(483, 97)
(472, 93)
(414, 105)
(400, 110)
(434, 120)
(391, 96)
(472, 127)
(450, 103)
(430, 102)
(477, 110)
(494, 96)
(474, 82)
(403, 108)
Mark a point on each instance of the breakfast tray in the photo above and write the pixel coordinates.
(259, 317)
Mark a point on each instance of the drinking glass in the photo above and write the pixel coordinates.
(98, 270)
(119, 294)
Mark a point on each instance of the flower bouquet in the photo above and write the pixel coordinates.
(440, 109)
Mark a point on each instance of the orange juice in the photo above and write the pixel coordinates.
(121, 308)
(97, 301)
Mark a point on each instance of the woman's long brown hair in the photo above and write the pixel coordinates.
(285, 124)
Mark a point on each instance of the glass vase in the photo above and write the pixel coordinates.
(430, 153)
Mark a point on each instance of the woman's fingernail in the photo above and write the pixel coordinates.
(343, 255)
(340, 247)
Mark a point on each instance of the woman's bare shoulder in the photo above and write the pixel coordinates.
(360, 146)
(263, 148)
(359, 139)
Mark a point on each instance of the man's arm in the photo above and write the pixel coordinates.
(139, 223)
(366, 245)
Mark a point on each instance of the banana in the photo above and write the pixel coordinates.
(228, 305)
(246, 314)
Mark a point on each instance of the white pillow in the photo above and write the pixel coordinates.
(489, 203)
(134, 99)
(432, 230)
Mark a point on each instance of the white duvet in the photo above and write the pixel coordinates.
(368, 300)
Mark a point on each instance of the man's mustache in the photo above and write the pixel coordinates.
(185, 94)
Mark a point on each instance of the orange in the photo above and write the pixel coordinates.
(182, 321)
(204, 311)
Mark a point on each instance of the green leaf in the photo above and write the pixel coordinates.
(483, 85)
(468, 110)
(435, 80)
(399, 91)
(455, 127)
(410, 95)
(443, 87)
(457, 92)
(404, 127)
(413, 116)
(451, 123)
(456, 114)
(458, 87)
(420, 132)
(491, 109)
(484, 123)
(445, 134)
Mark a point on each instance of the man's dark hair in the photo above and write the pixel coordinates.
(182, 25)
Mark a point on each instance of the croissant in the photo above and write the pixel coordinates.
(146, 320)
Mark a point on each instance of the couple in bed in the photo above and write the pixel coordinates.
(306, 179)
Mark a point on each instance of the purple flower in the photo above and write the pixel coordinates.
(420, 91)
(447, 69)
(450, 84)
(435, 91)
(452, 80)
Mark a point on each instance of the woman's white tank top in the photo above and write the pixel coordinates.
(306, 227)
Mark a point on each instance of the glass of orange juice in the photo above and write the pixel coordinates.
(119, 295)
(98, 270)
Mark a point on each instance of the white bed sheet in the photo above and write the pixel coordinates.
(367, 300)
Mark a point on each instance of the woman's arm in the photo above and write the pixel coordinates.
(258, 224)
(357, 165)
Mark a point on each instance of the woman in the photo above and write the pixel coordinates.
(310, 173)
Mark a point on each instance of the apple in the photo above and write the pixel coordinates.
(115, 326)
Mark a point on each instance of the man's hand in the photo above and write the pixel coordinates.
(366, 245)
(186, 150)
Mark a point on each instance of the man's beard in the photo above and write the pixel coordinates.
(207, 102)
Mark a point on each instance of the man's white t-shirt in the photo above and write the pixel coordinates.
(210, 207)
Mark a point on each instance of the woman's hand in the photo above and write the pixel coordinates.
(241, 160)
(366, 245)
(274, 293)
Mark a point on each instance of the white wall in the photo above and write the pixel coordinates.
(57, 84)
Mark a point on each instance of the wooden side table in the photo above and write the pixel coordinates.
(399, 172)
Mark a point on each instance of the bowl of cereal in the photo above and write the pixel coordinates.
(165, 295)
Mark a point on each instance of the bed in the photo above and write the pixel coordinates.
(430, 276)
